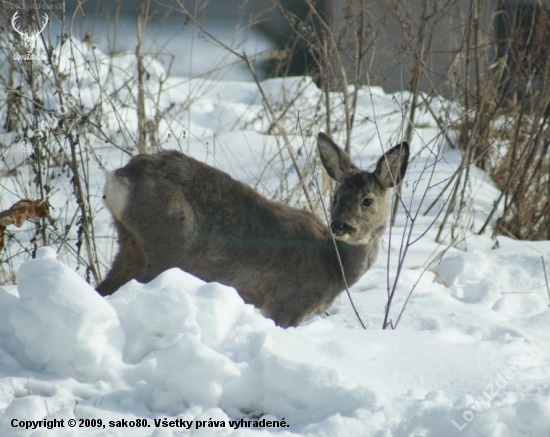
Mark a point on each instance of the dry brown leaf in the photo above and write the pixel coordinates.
(23, 210)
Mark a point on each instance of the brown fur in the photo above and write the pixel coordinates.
(171, 210)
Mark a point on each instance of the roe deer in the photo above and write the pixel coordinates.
(171, 210)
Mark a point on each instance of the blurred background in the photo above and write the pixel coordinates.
(298, 37)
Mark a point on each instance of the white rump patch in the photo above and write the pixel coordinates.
(116, 193)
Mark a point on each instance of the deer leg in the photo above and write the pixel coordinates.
(130, 263)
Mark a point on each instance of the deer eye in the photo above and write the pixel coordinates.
(367, 202)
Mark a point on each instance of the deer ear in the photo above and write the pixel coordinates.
(391, 168)
(335, 160)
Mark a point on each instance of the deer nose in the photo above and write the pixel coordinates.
(340, 228)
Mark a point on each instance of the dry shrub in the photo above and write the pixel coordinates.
(506, 132)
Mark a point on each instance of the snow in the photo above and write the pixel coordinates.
(167, 36)
(470, 356)
(60, 325)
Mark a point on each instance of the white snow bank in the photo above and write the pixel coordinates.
(182, 349)
(59, 324)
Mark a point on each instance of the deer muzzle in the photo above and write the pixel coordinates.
(340, 228)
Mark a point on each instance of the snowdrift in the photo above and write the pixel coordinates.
(182, 350)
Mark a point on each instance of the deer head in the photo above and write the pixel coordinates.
(359, 209)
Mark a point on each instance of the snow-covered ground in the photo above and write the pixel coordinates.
(166, 38)
(470, 356)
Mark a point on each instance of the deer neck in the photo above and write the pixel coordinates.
(357, 258)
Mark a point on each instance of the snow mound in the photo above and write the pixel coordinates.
(59, 324)
(179, 348)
